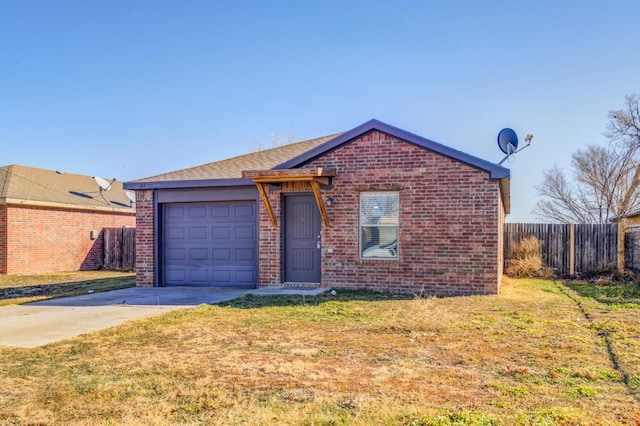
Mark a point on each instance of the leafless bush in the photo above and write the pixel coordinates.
(525, 260)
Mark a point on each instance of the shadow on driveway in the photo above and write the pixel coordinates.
(156, 296)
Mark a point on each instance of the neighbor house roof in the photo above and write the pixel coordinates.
(33, 186)
(631, 214)
(229, 172)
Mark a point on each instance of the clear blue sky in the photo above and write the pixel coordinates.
(130, 89)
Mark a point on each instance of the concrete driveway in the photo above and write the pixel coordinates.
(40, 323)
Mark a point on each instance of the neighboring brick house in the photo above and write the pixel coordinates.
(630, 219)
(52, 221)
(372, 208)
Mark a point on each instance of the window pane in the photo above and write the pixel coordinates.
(378, 208)
(379, 242)
(379, 213)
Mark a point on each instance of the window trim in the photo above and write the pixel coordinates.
(395, 226)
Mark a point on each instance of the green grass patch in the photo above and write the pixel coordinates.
(586, 391)
(615, 294)
(251, 301)
(463, 418)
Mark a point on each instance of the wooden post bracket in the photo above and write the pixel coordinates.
(267, 204)
(315, 177)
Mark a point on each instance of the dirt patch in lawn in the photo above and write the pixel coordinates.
(527, 356)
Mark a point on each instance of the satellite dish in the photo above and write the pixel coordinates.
(508, 141)
(131, 196)
(104, 186)
(102, 183)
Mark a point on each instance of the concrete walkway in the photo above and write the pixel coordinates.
(40, 323)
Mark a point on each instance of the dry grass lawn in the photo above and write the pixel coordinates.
(537, 354)
(58, 284)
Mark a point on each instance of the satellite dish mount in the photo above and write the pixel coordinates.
(508, 143)
(104, 186)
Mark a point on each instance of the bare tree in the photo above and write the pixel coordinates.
(280, 140)
(624, 124)
(605, 181)
(276, 140)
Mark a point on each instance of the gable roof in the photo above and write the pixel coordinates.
(229, 172)
(495, 171)
(41, 187)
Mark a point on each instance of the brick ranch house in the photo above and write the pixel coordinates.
(52, 221)
(374, 208)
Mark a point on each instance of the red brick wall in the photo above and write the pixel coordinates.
(449, 233)
(3, 238)
(144, 239)
(269, 266)
(45, 239)
(501, 217)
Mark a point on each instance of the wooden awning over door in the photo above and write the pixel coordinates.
(316, 177)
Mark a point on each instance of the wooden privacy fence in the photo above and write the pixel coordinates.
(119, 249)
(572, 249)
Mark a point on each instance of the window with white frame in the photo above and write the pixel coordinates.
(379, 212)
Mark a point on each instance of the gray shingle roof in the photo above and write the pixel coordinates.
(30, 185)
(232, 168)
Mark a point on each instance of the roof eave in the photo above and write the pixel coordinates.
(625, 216)
(495, 171)
(110, 208)
(178, 184)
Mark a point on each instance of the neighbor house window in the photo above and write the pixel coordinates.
(379, 225)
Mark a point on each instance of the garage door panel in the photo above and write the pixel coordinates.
(198, 232)
(197, 212)
(221, 212)
(177, 275)
(210, 244)
(199, 276)
(175, 212)
(221, 233)
(247, 211)
(245, 232)
(176, 233)
(245, 255)
(222, 277)
(198, 254)
(246, 276)
(176, 254)
(222, 255)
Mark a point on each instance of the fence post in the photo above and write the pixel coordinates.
(622, 225)
(572, 249)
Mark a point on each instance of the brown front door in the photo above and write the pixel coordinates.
(301, 239)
